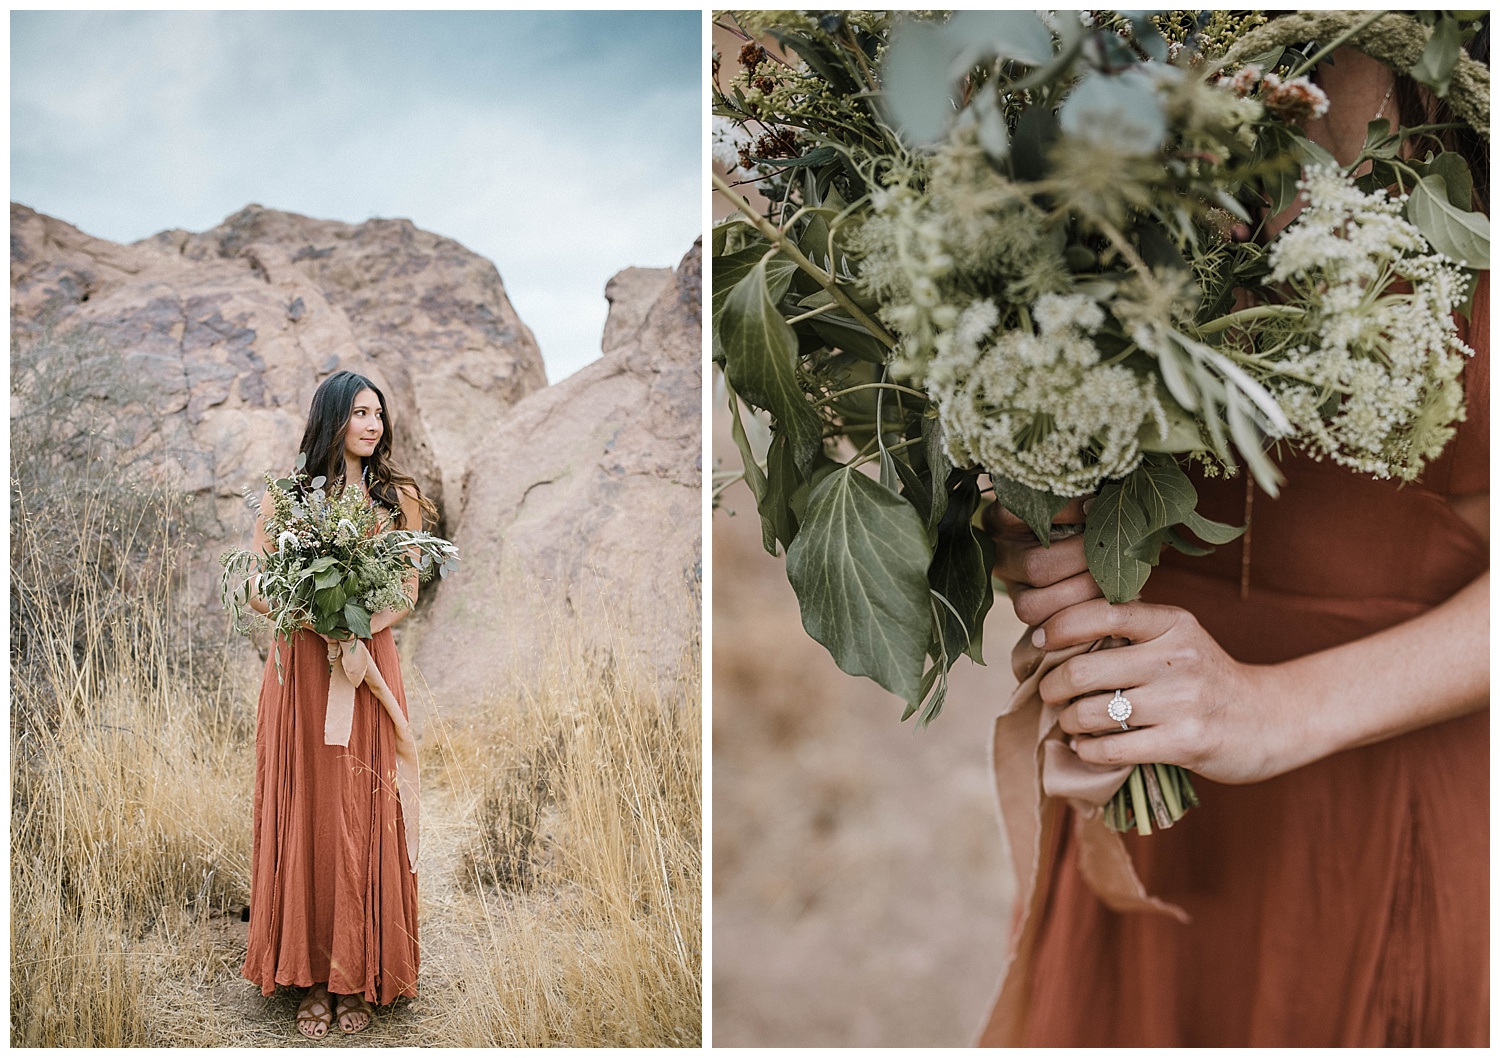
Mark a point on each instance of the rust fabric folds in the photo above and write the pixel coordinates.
(1033, 769)
(1345, 903)
(350, 665)
(333, 896)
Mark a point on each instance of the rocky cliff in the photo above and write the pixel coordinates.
(583, 488)
(587, 512)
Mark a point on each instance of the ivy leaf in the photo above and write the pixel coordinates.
(939, 466)
(778, 517)
(859, 568)
(1456, 178)
(760, 361)
(358, 619)
(1455, 233)
(960, 573)
(1033, 506)
(1114, 525)
(730, 270)
(1212, 531)
(1161, 491)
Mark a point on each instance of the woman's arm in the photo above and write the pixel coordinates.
(411, 514)
(1234, 722)
(261, 544)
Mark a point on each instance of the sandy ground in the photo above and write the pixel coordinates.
(446, 936)
(861, 894)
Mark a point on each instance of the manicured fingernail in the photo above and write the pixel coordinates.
(1039, 637)
(1088, 503)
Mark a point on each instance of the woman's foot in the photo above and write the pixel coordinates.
(353, 1013)
(315, 1013)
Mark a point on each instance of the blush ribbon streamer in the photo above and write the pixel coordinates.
(1034, 769)
(349, 665)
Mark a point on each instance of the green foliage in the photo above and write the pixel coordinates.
(943, 189)
(331, 561)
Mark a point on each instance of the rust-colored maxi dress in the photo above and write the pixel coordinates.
(1346, 902)
(332, 895)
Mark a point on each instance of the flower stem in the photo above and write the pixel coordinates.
(825, 279)
(1250, 315)
(1343, 38)
(1139, 803)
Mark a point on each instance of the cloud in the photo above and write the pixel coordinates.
(562, 146)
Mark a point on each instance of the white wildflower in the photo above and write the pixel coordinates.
(1371, 377)
(1040, 408)
(286, 537)
(726, 139)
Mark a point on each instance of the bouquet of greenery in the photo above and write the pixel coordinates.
(334, 561)
(1023, 256)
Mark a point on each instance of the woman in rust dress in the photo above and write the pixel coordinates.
(333, 896)
(1327, 678)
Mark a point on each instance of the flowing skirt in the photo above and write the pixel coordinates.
(332, 895)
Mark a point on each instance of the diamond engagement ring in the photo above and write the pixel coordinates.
(1119, 710)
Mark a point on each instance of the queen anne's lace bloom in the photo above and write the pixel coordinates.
(1370, 378)
(1040, 408)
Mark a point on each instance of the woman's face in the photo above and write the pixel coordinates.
(366, 425)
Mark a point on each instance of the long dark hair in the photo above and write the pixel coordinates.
(323, 445)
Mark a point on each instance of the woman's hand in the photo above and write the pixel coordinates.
(1191, 703)
(1040, 580)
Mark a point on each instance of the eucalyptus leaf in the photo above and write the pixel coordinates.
(1440, 57)
(760, 361)
(859, 569)
(1017, 35)
(1458, 234)
(917, 82)
(1116, 110)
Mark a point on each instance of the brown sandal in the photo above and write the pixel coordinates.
(352, 1006)
(314, 1017)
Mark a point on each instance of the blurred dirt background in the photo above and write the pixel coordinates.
(861, 891)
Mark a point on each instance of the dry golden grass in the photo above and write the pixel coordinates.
(583, 873)
(561, 879)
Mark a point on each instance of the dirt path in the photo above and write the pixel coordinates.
(250, 1020)
(861, 895)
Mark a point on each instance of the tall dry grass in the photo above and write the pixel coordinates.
(561, 877)
(130, 790)
(584, 869)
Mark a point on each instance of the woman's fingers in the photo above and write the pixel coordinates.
(1036, 605)
(1036, 566)
(1098, 619)
(1090, 715)
(1146, 746)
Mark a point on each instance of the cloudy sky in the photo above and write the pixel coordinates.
(563, 146)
